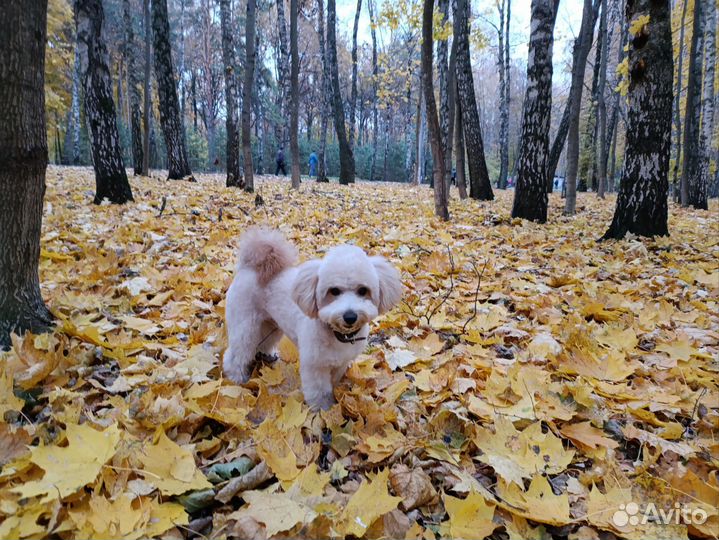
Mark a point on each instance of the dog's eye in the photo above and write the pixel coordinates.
(334, 291)
(362, 291)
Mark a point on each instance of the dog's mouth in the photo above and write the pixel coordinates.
(348, 337)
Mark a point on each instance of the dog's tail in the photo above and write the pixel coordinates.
(265, 251)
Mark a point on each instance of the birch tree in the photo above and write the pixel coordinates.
(530, 195)
(110, 176)
(574, 105)
(347, 161)
(294, 95)
(234, 176)
(440, 186)
(699, 187)
(177, 162)
(247, 94)
(479, 184)
(642, 201)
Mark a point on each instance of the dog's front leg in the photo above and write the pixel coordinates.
(316, 383)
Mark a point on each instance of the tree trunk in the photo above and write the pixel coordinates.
(234, 176)
(247, 94)
(586, 178)
(133, 83)
(503, 105)
(421, 139)
(602, 105)
(435, 135)
(530, 195)
(23, 147)
(375, 115)
(575, 105)
(72, 133)
(642, 202)
(677, 101)
(459, 152)
(294, 96)
(580, 52)
(110, 176)
(480, 187)
(170, 121)
(699, 184)
(283, 69)
(504, 158)
(347, 160)
(326, 91)
(147, 98)
(447, 83)
(692, 117)
(353, 94)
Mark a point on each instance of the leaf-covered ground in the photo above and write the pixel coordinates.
(532, 384)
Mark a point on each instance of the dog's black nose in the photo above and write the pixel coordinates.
(350, 317)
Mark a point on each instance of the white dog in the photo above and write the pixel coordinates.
(323, 306)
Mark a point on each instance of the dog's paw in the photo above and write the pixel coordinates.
(321, 402)
(236, 372)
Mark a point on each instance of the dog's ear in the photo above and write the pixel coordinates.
(390, 286)
(304, 289)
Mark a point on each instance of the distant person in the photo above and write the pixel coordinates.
(313, 162)
(280, 160)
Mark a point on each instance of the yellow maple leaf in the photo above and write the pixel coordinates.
(8, 400)
(538, 503)
(516, 455)
(69, 468)
(586, 434)
(369, 502)
(678, 350)
(170, 467)
(277, 511)
(468, 518)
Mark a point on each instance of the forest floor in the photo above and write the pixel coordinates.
(532, 383)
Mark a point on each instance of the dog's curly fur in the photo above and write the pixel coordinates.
(323, 305)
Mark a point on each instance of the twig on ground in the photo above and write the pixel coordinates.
(250, 480)
(429, 314)
(476, 292)
(162, 206)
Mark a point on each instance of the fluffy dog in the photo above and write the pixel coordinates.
(323, 305)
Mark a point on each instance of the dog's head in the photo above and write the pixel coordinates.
(347, 288)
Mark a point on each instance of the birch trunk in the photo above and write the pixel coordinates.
(375, 115)
(347, 162)
(71, 154)
(677, 102)
(435, 135)
(326, 91)
(575, 104)
(480, 187)
(283, 68)
(247, 95)
(110, 176)
(530, 194)
(294, 96)
(170, 121)
(700, 187)
(234, 176)
(642, 201)
(602, 104)
(147, 98)
(692, 117)
(353, 94)
(459, 152)
(133, 88)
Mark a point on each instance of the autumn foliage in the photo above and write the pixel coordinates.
(532, 381)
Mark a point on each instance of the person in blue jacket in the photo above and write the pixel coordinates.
(313, 161)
